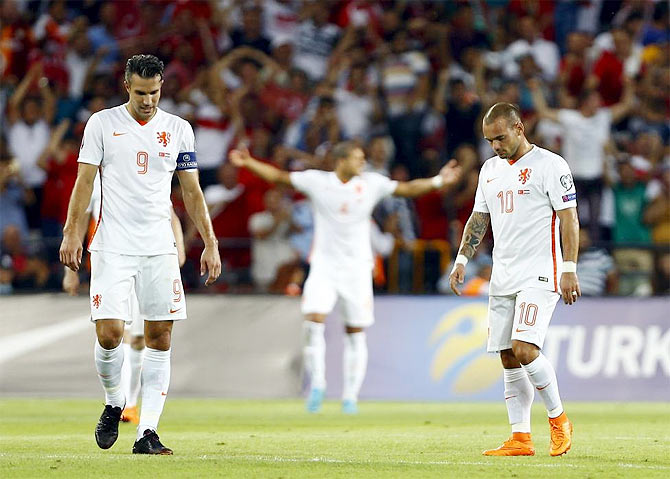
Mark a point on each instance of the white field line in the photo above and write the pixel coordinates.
(326, 460)
(34, 339)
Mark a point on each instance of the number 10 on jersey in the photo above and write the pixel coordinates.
(506, 201)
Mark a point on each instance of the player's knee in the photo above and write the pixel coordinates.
(110, 333)
(137, 342)
(158, 338)
(508, 359)
(525, 352)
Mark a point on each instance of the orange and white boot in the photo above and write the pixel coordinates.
(519, 444)
(130, 414)
(561, 435)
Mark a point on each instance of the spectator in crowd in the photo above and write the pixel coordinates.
(28, 134)
(597, 271)
(657, 212)
(315, 39)
(270, 246)
(630, 202)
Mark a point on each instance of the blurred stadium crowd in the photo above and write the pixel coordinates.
(409, 80)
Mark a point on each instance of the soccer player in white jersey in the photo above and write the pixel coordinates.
(341, 260)
(133, 339)
(528, 195)
(137, 148)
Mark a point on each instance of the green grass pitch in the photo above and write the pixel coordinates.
(277, 439)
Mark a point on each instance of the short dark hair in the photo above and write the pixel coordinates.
(146, 66)
(505, 110)
(343, 149)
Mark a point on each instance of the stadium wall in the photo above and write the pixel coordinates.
(421, 348)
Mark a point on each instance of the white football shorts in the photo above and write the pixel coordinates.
(523, 317)
(136, 328)
(154, 280)
(353, 287)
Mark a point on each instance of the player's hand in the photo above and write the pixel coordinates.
(240, 157)
(71, 282)
(71, 251)
(210, 262)
(451, 173)
(457, 277)
(570, 289)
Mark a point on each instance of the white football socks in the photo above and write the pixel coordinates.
(315, 354)
(125, 371)
(155, 384)
(519, 393)
(135, 360)
(108, 364)
(542, 375)
(355, 361)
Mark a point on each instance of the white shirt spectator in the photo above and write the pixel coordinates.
(354, 114)
(584, 141)
(280, 20)
(399, 77)
(269, 253)
(544, 53)
(313, 48)
(213, 132)
(26, 143)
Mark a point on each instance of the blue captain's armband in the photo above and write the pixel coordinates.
(187, 161)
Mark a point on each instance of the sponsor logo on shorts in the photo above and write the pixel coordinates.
(97, 299)
(542, 278)
(521, 330)
(570, 197)
(172, 310)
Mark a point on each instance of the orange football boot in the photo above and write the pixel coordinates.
(130, 414)
(561, 435)
(519, 444)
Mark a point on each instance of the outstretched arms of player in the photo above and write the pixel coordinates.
(473, 233)
(194, 200)
(243, 159)
(569, 284)
(449, 175)
(71, 248)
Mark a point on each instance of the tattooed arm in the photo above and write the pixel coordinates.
(473, 233)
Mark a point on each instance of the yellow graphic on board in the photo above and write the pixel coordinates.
(463, 331)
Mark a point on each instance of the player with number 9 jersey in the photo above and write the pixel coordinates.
(136, 178)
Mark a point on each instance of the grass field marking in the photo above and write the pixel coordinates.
(36, 338)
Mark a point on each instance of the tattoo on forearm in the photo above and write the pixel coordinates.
(475, 229)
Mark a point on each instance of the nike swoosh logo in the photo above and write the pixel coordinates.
(119, 134)
(509, 397)
(491, 179)
(543, 387)
(163, 394)
(174, 310)
(520, 330)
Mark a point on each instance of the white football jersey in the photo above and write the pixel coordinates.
(522, 199)
(136, 164)
(342, 214)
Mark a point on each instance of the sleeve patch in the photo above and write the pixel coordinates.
(570, 197)
(186, 161)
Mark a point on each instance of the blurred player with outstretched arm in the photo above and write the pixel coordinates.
(341, 261)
